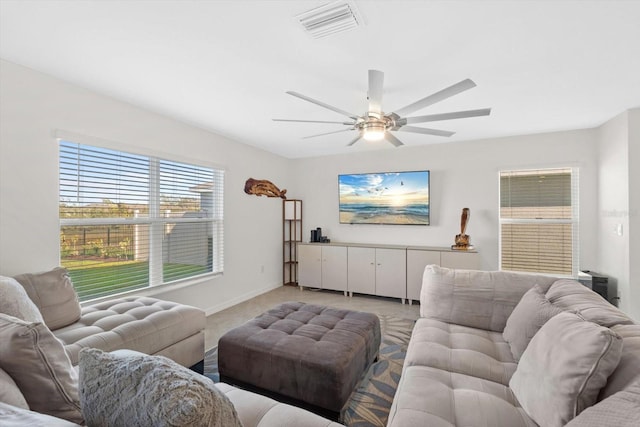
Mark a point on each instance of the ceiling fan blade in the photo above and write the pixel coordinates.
(376, 80)
(449, 116)
(327, 133)
(322, 104)
(392, 139)
(356, 139)
(436, 97)
(313, 121)
(425, 131)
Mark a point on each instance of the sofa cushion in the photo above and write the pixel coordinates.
(143, 324)
(434, 397)
(480, 299)
(38, 364)
(564, 367)
(460, 349)
(256, 410)
(628, 369)
(12, 416)
(620, 410)
(15, 302)
(10, 393)
(572, 295)
(533, 311)
(130, 388)
(54, 295)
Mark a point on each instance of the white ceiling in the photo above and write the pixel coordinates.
(225, 65)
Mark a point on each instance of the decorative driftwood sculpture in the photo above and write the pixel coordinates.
(262, 187)
(462, 239)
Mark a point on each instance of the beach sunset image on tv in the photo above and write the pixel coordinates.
(385, 198)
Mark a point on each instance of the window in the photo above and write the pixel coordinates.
(129, 221)
(539, 221)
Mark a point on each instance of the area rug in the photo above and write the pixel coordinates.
(371, 401)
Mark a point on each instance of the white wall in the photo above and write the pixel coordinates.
(33, 105)
(634, 213)
(613, 203)
(619, 190)
(463, 174)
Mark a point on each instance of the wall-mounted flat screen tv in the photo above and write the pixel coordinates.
(385, 198)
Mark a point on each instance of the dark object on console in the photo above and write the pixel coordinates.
(304, 352)
(598, 283)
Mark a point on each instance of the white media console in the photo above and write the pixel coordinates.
(383, 270)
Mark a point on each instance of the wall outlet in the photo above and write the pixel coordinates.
(618, 229)
(262, 269)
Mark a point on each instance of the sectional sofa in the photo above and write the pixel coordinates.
(43, 331)
(508, 349)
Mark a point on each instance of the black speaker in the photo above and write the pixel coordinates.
(599, 283)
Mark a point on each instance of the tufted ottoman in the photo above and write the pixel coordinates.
(312, 355)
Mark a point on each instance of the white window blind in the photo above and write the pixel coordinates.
(129, 221)
(539, 221)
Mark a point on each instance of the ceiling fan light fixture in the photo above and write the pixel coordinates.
(373, 131)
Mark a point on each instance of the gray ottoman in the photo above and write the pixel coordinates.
(312, 355)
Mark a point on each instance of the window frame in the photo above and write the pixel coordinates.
(156, 220)
(574, 221)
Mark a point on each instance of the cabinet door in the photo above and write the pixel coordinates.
(465, 260)
(361, 270)
(417, 260)
(334, 268)
(309, 266)
(391, 273)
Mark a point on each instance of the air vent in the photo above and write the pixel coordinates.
(329, 19)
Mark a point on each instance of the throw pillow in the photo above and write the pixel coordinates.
(629, 367)
(40, 367)
(15, 302)
(10, 393)
(564, 367)
(54, 295)
(125, 387)
(620, 410)
(533, 311)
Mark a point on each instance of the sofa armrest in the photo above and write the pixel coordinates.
(256, 410)
(479, 299)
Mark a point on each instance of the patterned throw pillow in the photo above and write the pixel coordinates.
(125, 387)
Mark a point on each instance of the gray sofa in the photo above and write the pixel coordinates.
(43, 329)
(482, 354)
(147, 325)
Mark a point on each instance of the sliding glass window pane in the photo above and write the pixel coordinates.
(103, 260)
(130, 221)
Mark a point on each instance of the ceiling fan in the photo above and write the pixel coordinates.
(375, 125)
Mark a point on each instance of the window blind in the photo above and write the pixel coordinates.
(129, 221)
(539, 221)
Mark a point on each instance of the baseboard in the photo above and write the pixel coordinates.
(242, 298)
